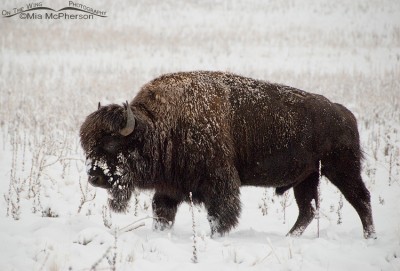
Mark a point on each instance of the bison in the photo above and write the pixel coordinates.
(210, 133)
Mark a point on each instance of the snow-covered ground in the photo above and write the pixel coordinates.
(53, 73)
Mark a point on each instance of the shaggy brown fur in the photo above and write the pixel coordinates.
(210, 133)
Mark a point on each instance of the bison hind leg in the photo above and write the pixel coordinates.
(305, 192)
(343, 170)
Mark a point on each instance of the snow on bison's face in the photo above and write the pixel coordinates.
(105, 138)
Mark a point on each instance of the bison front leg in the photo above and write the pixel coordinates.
(223, 206)
(305, 192)
(164, 211)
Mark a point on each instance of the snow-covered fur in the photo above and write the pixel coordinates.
(210, 133)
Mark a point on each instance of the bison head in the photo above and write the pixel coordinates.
(113, 144)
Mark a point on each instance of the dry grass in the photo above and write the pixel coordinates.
(53, 73)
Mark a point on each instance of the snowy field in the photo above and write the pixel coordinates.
(54, 72)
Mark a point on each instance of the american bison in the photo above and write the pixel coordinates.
(210, 133)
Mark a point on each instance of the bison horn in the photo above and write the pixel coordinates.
(98, 106)
(130, 121)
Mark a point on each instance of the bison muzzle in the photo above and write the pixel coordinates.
(210, 133)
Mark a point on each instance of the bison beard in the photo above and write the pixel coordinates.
(210, 133)
(119, 199)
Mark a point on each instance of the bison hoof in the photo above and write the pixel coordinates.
(215, 226)
(161, 225)
(370, 235)
(369, 232)
(216, 235)
(296, 232)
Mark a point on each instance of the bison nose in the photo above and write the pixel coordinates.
(99, 181)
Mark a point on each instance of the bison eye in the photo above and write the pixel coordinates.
(111, 145)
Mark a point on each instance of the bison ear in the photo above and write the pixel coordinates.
(130, 121)
(98, 106)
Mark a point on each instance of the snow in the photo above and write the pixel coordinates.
(53, 74)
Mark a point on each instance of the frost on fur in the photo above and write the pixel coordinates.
(211, 132)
